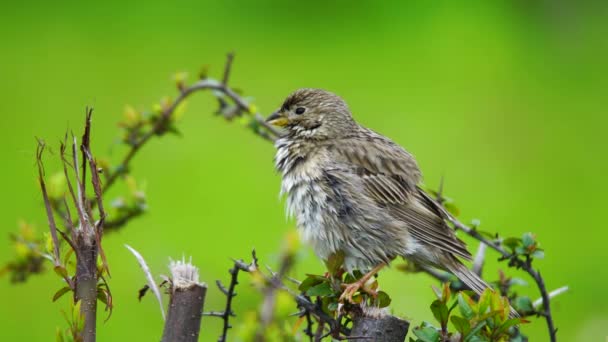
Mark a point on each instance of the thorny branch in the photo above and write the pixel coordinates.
(514, 261)
(307, 307)
(239, 265)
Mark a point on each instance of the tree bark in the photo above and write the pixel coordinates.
(185, 311)
(86, 286)
(379, 329)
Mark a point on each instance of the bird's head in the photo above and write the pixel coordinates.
(314, 113)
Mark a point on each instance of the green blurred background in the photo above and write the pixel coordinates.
(506, 99)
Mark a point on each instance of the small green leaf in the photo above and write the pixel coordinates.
(333, 306)
(445, 293)
(76, 317)
(538, 254)
(463, 305)
(474, 331)
(309, 282)
(323, 289)
(334, 262)
(383, 299)
(427, 334)
(451, 208)
(61, 292)
(484, 301)
(440, 311)
(523, 304)
(462, 325)
(512, 242)
(507, 324)
(61, 271)
(528, 240)
(497, 304)
(59, 335)
(103, 296)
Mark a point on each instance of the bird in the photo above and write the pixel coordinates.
(356, 193)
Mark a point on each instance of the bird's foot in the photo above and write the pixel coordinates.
(351, 289)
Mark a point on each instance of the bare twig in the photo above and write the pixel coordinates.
(227, 68)
(47, 205)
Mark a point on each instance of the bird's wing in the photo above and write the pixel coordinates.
(390, 176)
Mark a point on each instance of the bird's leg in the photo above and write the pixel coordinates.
(351, 289)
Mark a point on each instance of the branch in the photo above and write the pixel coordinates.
(239, 265)
(161, 124)
(515, 261)
(47, 205)
(379, 327)
(187, 298)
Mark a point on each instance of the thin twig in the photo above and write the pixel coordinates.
(227, 68)
(47, 205)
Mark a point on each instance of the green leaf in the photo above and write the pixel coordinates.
(474, 331)
(333, 306)
(334, 262)
(523, 304)
(511, 242)
(463, 305)
(507, 324)
(61, 292)
(452, 208)
(484, 301)
(497, 304)
(77, 320)
(61, 271)
(383, 299)
(538, 254)
(445, 293)
(528, 240)
(440, 311)
(462, 325)
(103, 296)
(427, 334)
(323, 289)
(309, 282)
(59, 335)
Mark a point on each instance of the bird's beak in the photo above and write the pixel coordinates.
(277, 119)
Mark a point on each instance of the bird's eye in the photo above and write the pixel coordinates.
(300, 110)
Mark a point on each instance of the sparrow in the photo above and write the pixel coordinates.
(356, 193)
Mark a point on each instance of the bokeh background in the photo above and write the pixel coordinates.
(505, 99)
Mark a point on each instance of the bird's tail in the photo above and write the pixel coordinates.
(473, 281)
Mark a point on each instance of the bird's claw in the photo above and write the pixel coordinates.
(351, 289)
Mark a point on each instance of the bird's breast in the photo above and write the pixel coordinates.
(306, 196)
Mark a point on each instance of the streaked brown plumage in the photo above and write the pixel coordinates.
(354, 191)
